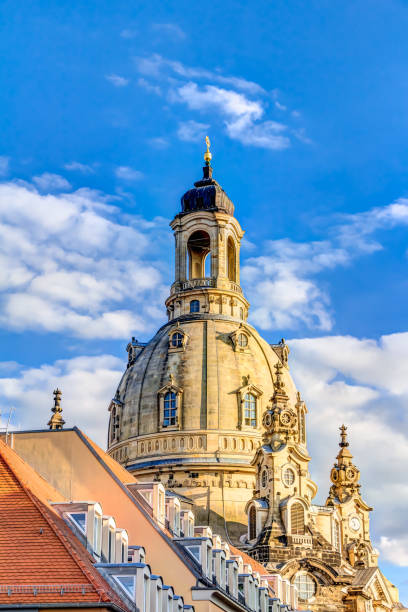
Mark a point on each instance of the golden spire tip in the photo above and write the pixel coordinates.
(207, 154)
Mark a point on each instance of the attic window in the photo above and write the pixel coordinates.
(195, 551)
(97, 533)
(127, 583)
(79, 518)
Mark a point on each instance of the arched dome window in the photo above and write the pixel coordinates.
(297, 519)
(250, 410)
(231, 264)
(194, 306)
(170, 409)
(198, 248)
(252, 522)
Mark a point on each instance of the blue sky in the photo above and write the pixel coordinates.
(103, 112)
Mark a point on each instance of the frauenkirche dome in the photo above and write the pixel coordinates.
(189, 407)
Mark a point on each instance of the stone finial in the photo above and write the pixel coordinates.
(56, 421)
(343, 443)
(279, 383)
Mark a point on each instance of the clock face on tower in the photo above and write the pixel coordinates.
(354, 523)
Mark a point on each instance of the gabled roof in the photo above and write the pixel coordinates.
(41, 560)
(120, 472)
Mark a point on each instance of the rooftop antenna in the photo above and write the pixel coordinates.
(8, 422)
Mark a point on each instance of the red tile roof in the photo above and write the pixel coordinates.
(41, 560)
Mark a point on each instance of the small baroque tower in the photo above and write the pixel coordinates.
(279, 514)
(353, 511)
(56, 421)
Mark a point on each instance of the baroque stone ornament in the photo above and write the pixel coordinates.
(56, 421)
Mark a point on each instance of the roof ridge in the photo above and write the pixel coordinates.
(45, 511)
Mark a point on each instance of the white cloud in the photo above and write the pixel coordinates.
(4, 165)
(149, 86)
(242, 114)
(116, 80)
(128, 174)
(243, 106)
(158, 143)
(75, 166)
(158, 66)
(363, 383)
(171, 29)
(283, 279)
(192, 131)
(51, 182)
(87, 385)
(394, 550)
(128, 33)
(280, 106)
(69, 263)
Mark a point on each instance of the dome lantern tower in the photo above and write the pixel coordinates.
(208, 239)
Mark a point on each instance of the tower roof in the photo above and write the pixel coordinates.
(207, 193)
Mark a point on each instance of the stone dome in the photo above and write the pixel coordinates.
(188, 410)
(219, 362)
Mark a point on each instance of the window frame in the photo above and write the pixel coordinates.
(250, 410)
(71, 516)
(197, 305)
(170, 407)
(256, 392)
(180, 346)
(171, 387)
(311, 578)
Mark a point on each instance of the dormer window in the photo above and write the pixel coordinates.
(170, 409)
(79, 518)
(97, 533)
(242, 340)
(195, 551)
(170, 405)
(111, 544)
(127, 583)
(177, 340)
(249, 404)
(250, 419)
